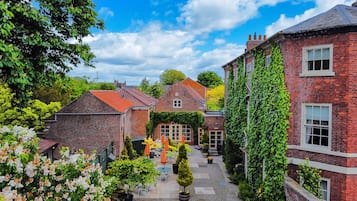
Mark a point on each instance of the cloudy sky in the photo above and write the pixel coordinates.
(143, 38)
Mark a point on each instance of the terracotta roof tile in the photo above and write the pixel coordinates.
(137, 97)
(201, 90)
(113, 99)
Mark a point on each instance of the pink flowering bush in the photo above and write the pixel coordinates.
(27, 175)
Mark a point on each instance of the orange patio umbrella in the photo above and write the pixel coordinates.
(162, 139)
(166, 145)
(163, 157)
(147, 149)
(183, 138)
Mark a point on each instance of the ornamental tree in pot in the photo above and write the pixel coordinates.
(184, 179)
(181, 155)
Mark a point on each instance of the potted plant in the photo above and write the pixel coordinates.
(132, 173)
(181, 155)
(209, 160)
(184, 179)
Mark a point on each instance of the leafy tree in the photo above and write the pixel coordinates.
(209, 79)
(155, 90)
(184, 177)
(39, 42)
(170, 76)
(144, 86)
(215, 98)
(31, 116)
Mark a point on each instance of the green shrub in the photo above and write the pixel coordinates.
(237, 178)
(246, 192)
(310, 178)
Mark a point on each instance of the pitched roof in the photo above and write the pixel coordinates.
(112, 99)
(194, 94)
(137, 97)
(45, 144)
(336, 17)
(200, 89)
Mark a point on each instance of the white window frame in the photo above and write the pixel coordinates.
(306, 73)
(177, 103)
(165, 130)
(303, 130)
(328, 190)
(186, 131)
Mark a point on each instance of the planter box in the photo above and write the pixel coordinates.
(175, 168)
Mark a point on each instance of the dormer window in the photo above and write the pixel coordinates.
(177, 103)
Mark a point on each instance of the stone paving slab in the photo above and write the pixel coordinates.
(211, 182)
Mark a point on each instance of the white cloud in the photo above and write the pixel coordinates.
(202, 16)
(285, 22)
(132, 56)
(219, 41)
(105, 12)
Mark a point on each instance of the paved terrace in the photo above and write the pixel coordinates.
(211, 182)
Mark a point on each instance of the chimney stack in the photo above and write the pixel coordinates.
(255, 42)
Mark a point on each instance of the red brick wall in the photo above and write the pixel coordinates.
(139, 119)
(319, 89)
(189, 104)
(352, 97)
(214, 122)
(87, 132)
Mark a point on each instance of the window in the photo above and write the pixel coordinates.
(177, 103)
(267, 60)
(317, 124)
(165, 130)
(317, 61)
(325, 187)
(186, 130)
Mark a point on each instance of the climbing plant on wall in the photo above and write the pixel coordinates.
(265, 122)
(235, 117)
(194, 119)
(267, 136)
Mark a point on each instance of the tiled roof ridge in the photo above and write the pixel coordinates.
(119, 104)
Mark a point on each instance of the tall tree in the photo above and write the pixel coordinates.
(38, 42)
(215, 98)
(170, 76)
(209, 79)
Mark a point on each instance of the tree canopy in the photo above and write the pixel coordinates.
(170, 76)
(215, 98)
(155, 90)
(39, 42)
(209, 79)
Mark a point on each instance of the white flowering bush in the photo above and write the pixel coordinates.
(27, 175)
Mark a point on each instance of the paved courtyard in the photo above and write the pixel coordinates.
(210, 182)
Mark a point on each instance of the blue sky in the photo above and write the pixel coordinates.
(143, 38)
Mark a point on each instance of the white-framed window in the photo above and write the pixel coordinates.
(325, 188)
(186, 131)
(165, 130)
(177, 103)
(317, 61)
(316, 125)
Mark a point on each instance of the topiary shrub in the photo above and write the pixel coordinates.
(130, 148)
(182, 154)
(233, 154)
(185, 177)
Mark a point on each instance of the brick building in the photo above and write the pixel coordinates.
(93, 122)
(320, 59)
(189, 96)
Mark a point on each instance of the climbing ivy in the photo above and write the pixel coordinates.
(194, 119)
(235, 117)
(267, 115)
